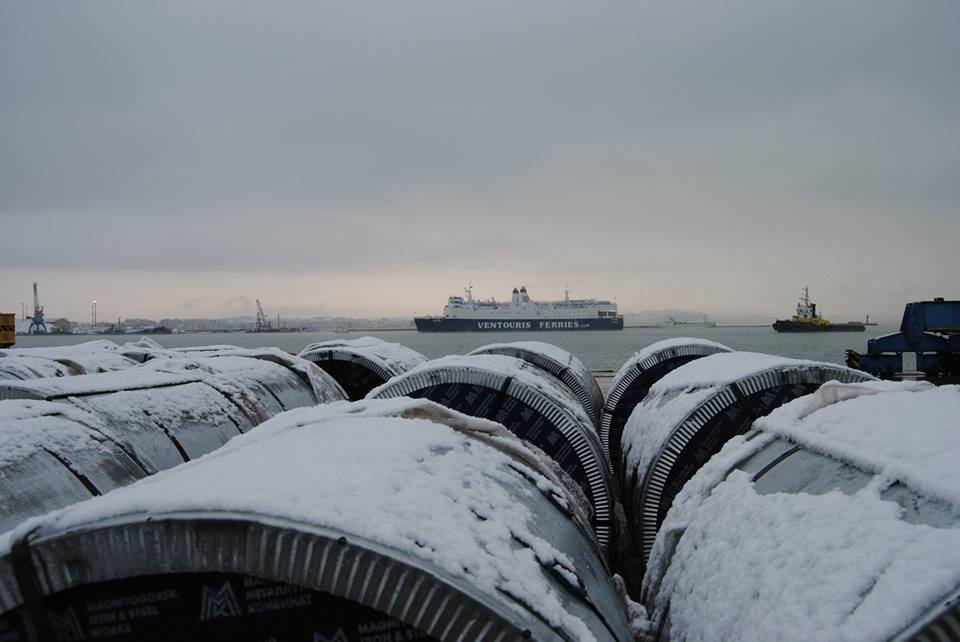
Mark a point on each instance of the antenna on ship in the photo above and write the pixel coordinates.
(566, 294)
(469, 292)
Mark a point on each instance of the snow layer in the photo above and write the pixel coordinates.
(82, 358)
(26, 426)
(252, 365)
(192, 403)
(416, 487)
(680, 392)
(548, 350)
(129, 379)
(904, 432)
(394, 357)
(727, 367)
(730, 563)
(25, 367)
(97, 347)
(804, 567)
(666, 344)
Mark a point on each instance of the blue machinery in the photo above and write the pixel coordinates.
(931, 330)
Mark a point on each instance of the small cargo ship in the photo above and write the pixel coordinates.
(521, 313)
(807, 320)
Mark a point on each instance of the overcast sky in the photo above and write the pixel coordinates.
(361, 158)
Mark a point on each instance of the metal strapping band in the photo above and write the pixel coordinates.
(33, 598)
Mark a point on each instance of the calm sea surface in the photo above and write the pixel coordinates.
(599, 350)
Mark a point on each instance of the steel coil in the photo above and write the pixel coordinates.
(636, 375)
(835, 517)
(231, 547)
(529, 403)
(134, 423)
(360, 365)
(561, 364)
(689, 414)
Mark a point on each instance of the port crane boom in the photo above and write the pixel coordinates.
(37, 324)
(263, 323)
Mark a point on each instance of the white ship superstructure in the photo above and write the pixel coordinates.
(465, 313)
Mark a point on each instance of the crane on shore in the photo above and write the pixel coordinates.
(263, 323)
(37, 324)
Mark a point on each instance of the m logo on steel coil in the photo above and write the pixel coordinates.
(67, 626)
(220, 602)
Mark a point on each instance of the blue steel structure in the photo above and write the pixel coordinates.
(931, 330)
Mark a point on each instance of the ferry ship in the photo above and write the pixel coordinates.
(521, 313)
(807, 320)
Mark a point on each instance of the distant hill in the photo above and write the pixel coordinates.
(653, 317)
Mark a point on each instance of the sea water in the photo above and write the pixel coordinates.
(599, 350)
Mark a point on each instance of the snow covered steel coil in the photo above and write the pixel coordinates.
(52, 389)
(561, 364)
(61, 361)
(273, 376)
(360, 365)
(21, 367)
(532, 405)
(140, 430)
(836, 518)
(263, 382)
(136, 422)
(280, 381)
(691, 412)
(53, 455)
(637, 374)
(445, 528)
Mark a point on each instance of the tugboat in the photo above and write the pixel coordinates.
(466, 314)
(807, 320)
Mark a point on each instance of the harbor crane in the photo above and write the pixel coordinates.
(263, 323)
(37, 324)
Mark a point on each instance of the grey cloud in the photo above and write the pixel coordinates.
(239, 302)
(540, 137)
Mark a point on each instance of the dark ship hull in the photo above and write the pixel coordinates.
(782, 325)
(445, 324)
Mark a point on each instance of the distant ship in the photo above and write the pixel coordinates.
(466, 314)
(672, 323)
(807, 320)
